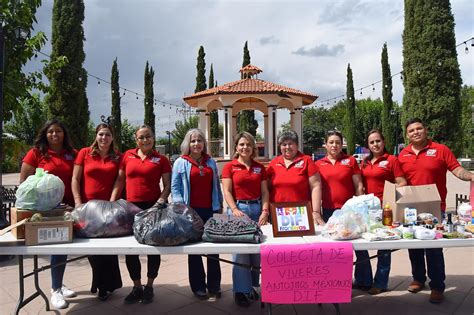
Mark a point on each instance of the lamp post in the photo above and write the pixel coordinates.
(2, 75)
(169, 144)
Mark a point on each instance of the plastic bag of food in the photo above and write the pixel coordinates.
(101, 218)
(170, 225)
(369, 200)
(41, 191)
(345, 225)
(382, 234)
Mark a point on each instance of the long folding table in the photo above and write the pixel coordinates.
(129, 246)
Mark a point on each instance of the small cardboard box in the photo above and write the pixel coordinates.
(18, 214)
(424, 198)
(48, 232)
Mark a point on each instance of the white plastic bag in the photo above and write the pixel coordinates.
(41, 191)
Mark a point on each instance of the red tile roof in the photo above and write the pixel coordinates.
(251, 86)
(252, 68)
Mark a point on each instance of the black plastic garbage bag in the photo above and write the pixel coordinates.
(168, 225)
(100, 218)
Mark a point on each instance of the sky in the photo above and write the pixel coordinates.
(301, 44)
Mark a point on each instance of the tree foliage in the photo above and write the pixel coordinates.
(127, 133)
(19, 85)
(116, 110)
(181, 127)
(214, 115)
(201, 71)
(368, 116)
(350, 118)
(246, 119)
(388, 123)
(26, 123)
(149, 100)
(431, 74)
(467, 125)
(67, 99)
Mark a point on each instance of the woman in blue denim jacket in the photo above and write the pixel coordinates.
(195, 182)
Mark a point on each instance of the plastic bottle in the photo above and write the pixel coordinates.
(464, 212)
(387, 216)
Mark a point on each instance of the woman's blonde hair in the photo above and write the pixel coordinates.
(247, 136)
(187, 141)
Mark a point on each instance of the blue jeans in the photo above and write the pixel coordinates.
(435, 264)
(57, 273)
(243, 279)
(363, 270)
(196, 273)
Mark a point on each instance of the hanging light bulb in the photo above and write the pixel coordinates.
(360, 91)
(136, 95)
(466, 50)
(98, 82)
(373, 88)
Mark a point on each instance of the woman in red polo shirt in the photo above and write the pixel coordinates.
(195, 182)
(293, 177)
(244, 183)
(54, 153)
(340, 175)
(95, 171)
(143, 168)
(377, 168)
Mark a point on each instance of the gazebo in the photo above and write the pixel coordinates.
(255, 94)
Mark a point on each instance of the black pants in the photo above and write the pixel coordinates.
(133, 263)
(105, 273)
(196, 273)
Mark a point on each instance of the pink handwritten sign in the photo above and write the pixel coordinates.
(307, 273)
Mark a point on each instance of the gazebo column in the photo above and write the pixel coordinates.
(265, 136)
(297, 126)
(272, 131)
(228, 132)
(204, 123)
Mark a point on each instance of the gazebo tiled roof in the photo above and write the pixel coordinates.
(251, 86)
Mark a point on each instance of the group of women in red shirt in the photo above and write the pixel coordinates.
(101, 172)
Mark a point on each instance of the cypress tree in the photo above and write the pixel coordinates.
(149, 97)
(246, 118)
(431, 74)
(67, 99)
(214, 114)
(350, 117)
(201, 71)
(116, 111)
(388, 121)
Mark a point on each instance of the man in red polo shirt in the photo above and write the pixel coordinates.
(426, 162)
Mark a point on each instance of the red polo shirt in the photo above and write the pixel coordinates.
(375, 174)
(142, 178)
(246, 183)
(98, 176)
(290, 184)
(336, 180)
(201, 183)
(429, 166)
(59, 164)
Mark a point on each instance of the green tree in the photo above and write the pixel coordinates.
(149, 100)
(19, 85)
(467, 125)
(214, 115)
(350, 116)
(246, 119)
(25, 123)
(368, 117)
(201, 71)
(67, 99)
(431, 74)
(181, 127)
(116, 111)
(127, 133)
(388, 123)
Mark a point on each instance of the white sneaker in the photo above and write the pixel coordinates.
(57, 299)
(67, 293)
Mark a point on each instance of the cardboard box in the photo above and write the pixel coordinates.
(48, 232)
(424, 198)
(18, 214)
